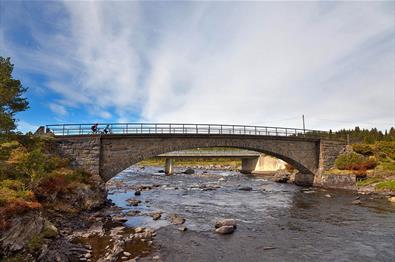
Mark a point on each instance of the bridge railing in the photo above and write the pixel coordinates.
(171, 128)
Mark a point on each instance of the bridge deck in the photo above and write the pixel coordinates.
(169, 128)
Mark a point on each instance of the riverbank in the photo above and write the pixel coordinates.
(43, 198)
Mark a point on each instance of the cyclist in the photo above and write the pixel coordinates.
(94, 128)
(107, 129)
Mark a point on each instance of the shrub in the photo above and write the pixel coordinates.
(387, 147)
(346, 160)
(35, 243)
(363, 149)
(12, 184)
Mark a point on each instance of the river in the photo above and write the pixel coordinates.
(275, 222)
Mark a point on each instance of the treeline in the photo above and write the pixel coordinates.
(358, 135)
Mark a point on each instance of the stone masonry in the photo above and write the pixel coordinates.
(110, 154)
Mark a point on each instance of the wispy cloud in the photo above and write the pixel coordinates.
(58, 109)
(253, 63)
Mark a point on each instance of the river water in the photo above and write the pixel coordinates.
(276, 222)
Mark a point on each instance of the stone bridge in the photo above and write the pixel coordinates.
(110, 148)
(108, 154)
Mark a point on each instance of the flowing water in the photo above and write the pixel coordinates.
(276, 222)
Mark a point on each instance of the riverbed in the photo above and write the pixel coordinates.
(275, 222)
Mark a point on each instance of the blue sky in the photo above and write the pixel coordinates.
(263, 63)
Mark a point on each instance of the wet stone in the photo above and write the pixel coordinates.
(176, 219)
(225, 230)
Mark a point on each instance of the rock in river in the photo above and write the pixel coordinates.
(119, 218)
(137, 193)
(281, 178)
(245, 188)
(189, 171)
(225, 222)
(183, 228)
(225, 230)
(176, 219)
(156, 215)
(356, 202)
(133, 202)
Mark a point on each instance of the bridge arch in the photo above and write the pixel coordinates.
(300, 167)
(119, 153)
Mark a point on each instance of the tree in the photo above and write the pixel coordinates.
(11, 100)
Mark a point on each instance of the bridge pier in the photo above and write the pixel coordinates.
(304, 179)
(249, 165)
(169, 166)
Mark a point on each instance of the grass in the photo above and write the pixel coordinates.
(386, 166)
(386, 185)
(369, 181)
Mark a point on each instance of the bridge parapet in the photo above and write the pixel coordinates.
(174, 128)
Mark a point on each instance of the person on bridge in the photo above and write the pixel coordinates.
(94, 128)
(107, 129)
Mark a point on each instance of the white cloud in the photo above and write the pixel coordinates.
(58, 109)
(25, 127)
(248, 63)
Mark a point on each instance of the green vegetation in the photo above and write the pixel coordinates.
(374, 163)
(29, 167)
(35, 243)
(11, 100)
(354, 161)
(386, 185)
(358, 135)
(369, 181)
(363, 149)
(29, 170)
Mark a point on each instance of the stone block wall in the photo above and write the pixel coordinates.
(329, 150)
(83, 151)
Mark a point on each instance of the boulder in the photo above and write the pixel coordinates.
(225, 230)
(133, 202)
(356, 202)
(225, 222)
(133, 213)
(281, 178)
(392, 199)
(118, 218)
(22, 229)
(176, 219)
(137, 193)
(49, 230)
(139, 229)
(189, 171)
(183, 228)
(156, 215)
(245, 188)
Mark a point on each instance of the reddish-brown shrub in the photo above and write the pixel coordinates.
(51, 185)
(15, 207)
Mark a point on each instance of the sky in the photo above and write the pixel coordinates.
(253, 63)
